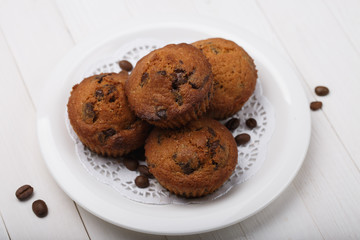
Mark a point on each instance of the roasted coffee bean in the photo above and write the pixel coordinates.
(315, 105)
(242, 138)
(144, 170)
(321, 91)
(251, 123)
(232, 124)
(125, 65)
(24, 192)
(40, 209)
(131, 164)
(142, 181)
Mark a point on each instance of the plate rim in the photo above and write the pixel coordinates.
(96, 42)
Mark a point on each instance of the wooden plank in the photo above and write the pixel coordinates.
(98, 229)
(329, 178)
(3, 232)
(324, 56)
(86, 18)
(328, 183)
(22, 164)
(348, 15)
(290, 212)
(37, 38)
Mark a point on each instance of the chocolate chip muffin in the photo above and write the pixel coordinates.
(170, 86)
(234, 75)
(99, 114)
(194, 160)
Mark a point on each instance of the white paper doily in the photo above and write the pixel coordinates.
(113, 172)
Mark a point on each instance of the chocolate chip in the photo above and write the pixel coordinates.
(112, 99)
(178, 97)
(24, 192)
(215, 50)
(216, 165)
(194, 86)
(131, 164)
(212, 146)
(88, 113)
(109, 132)
(161, 113)
(174, 156)
(144, 79)
(104, 135)
(111, 89)
(181, 62)
(99, 94)
(125, 65)
(186, 169)
(100, 77)
(232, 124)
(211, 131)
(242, 139)
(142, 181)
(178, 78)
(315, 105)
(162, 73)
(321, 91)
(251, 123)
(40, 209)
(144, 170)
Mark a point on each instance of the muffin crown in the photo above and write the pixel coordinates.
(99, 114)
(169, 82)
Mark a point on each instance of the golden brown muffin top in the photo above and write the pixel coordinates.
(234, 72)
(168, 82)
(99, 112)
(200, 155)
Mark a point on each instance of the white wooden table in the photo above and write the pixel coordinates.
(320, 37)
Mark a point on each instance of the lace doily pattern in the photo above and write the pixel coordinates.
(113, 172)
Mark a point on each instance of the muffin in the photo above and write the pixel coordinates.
(101, 117)
(192, 161)
(234, 75)
(170, 86)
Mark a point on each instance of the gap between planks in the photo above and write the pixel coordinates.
(306, 83)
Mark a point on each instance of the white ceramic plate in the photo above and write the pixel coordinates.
(286, 149)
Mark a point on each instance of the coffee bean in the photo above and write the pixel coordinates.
(315, 105)
(251, 123)
(142, 181)
(40, 209)
(131, 164)
(232, 124)
(125, 65)
(144, 170)
(242, 138)
(24, 192)
(321, 91)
